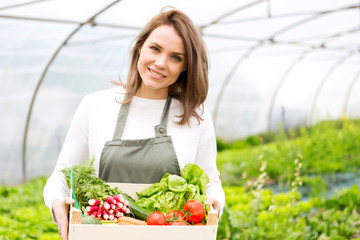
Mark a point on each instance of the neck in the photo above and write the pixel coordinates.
(154, 95)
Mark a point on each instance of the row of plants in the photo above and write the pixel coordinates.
(253, 212)
(298, 163)
(330, 151)
(262, 215)
(23, 214)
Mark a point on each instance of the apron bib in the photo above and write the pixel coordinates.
(139, 161)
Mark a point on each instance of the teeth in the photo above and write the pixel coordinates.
(156, 74)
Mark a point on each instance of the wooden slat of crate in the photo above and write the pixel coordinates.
(96, 232)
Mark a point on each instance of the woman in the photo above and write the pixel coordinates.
(166, 87)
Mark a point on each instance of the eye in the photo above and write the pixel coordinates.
(155, 48)
(176, 58)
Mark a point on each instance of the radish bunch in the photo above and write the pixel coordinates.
(110, 209)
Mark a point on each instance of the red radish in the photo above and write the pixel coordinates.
(111, 211)
(106, 205)
(105, 214)
(94, 214)
(110, 200)
(94, 202)
(123, 209)
(117, 197)
(111, 217)
(91, 209)
(117, 213)
(127, 211)
(119, 205)
(99, 211)
(112, 206)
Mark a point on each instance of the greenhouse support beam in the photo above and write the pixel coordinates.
(322, 83)
(320, 45)
(302, 55)
(272, 40)
(349, 92)
(228, 78)
(89, 21)
(236, 10)
(40, 19)
(22, 4)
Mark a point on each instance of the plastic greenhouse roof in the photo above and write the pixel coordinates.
(289, 61)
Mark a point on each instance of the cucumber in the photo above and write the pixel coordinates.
(138, 211)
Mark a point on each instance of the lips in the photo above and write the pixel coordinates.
(156, 74)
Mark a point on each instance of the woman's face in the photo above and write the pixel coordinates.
(162, 59)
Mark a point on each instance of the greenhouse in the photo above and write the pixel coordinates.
(284, 84)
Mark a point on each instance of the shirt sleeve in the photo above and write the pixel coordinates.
(74, 151)
(206, 159)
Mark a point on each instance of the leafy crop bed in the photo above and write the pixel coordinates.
(262, 215)
(23, 214)
(306, 162)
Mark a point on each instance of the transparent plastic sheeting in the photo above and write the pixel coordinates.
(289, 61)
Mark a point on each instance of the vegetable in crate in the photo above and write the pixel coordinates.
(173, 191)
(90, 190)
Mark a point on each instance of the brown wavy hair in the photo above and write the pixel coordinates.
(191, 87)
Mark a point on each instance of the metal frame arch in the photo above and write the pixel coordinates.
(323, 82)
(218, 19)
(22, 4)
(43, 74)
(228, 78)
(270, 39)
(293, 65)
(350, 91)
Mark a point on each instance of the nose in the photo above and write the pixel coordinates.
(160, 61)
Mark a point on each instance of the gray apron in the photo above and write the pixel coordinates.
(139, 161)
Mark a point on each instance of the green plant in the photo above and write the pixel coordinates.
(23, 214)
(327, 149)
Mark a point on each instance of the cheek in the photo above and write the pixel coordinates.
(140, 65)
(177, 70)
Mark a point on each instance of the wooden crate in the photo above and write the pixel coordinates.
(79, 231)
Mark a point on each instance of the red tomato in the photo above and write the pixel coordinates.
(178, 223)
(194, 210)
(175, 215)
(199, 224)
(156, 218)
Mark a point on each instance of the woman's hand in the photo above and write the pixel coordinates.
(214, 203)
(60, 209)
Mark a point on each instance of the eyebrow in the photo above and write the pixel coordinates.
(176, 53)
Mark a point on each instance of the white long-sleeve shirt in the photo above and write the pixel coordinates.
(94, 123)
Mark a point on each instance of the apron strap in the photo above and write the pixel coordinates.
(160, 130)
(120, 123)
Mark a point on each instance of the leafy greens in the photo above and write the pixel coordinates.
(173, 191)
(86, 184)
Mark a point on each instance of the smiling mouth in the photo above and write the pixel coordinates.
(155, 74)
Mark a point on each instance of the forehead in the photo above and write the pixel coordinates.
(168, 38)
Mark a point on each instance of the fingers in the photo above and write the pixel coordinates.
(214, 203)
(63, 231)
(61, 210)
(69, 200)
